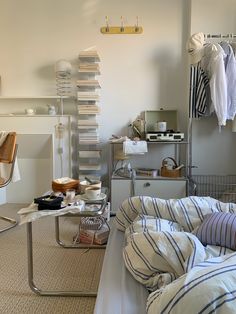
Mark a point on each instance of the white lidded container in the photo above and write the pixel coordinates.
(160, 126)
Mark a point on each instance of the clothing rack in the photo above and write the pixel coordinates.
(231, 35)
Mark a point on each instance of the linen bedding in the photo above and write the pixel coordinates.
(163, 253)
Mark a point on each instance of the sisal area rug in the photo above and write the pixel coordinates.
(54, 268)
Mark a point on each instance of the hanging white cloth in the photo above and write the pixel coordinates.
(213, 64)
(134, 147)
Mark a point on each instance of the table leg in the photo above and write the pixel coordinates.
(32, 285)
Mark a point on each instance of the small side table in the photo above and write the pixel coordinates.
(102, 205)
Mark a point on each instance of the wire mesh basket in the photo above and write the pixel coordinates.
(91, 223)
(221, 187)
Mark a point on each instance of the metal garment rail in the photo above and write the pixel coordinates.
(230, 35)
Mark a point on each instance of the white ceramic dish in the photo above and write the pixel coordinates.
(85, 184)
(100, 198)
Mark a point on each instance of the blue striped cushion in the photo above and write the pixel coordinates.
(218, 229)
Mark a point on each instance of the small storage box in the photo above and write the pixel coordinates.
(62, 187)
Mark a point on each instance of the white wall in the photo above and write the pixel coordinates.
(139, 72)
(38, 158)
(213, 152)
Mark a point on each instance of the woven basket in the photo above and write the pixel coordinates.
(62, 187)
(170, 173)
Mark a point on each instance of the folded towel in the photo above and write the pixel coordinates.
(134, 147)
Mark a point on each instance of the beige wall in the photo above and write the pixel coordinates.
(142, 72)
(139, 72)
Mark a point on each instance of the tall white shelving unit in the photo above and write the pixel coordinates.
(88, 98)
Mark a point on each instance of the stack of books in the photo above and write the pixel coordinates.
(88, 83)
(89, 54)
(89, 137)
(93, 236)
(87, 96)
(89, 166)
(90, 153)
(87, 67)
(88, 109)
(87, 124)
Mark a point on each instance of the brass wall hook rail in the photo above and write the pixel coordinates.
(136, 29)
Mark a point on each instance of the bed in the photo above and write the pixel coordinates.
(170, 256)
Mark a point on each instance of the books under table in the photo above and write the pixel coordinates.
(90, 236)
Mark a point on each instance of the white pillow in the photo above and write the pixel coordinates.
(144, 223)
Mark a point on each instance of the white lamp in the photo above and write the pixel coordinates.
(63, 71)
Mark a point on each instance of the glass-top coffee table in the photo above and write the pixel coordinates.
(100, 206)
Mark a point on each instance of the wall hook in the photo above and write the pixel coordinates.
(107, 24)
(136, 29)
(122, 24)
(136, 26)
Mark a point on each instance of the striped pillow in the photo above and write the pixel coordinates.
(218, 229)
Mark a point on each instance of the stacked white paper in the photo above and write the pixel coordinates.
(88, 109)
(88, 83)
(90, 153)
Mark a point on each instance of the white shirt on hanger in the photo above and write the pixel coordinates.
(213, 63)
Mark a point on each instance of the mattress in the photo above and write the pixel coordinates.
(118, 291)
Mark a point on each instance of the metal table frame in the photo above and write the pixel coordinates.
(73, 293)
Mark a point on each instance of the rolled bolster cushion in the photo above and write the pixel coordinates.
(218, 229)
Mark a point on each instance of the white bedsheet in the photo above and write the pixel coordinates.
(119, 292)
(207, 288)
(183, 275)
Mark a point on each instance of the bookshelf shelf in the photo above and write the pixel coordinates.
(88, 109)
(34, 97)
